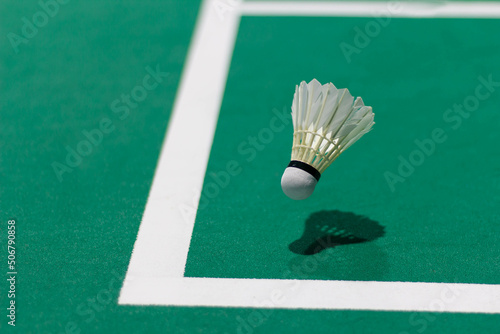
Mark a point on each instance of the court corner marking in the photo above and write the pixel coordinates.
(155, 275)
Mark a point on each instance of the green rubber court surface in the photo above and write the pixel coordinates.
(142, 147)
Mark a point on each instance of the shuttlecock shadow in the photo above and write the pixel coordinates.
(328, 229)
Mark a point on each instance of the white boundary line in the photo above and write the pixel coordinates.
(367, 9)
(156, 271)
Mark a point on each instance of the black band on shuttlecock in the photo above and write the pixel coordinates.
(305, 167)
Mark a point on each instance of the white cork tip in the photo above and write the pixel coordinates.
(297, 183)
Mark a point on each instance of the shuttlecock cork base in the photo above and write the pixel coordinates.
(299, 180)
(326, 121)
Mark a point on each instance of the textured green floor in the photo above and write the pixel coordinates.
(75, 237)
(441, 224)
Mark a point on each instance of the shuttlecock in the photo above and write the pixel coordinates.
(326, 121)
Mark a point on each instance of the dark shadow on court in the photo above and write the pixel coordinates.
(328, 229)
(337, 245)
